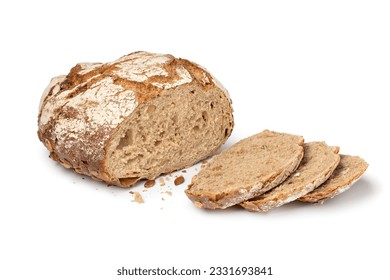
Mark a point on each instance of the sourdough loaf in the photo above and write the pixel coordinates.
(349, 170)
(318, 163)
(247, 169)
(136, 117)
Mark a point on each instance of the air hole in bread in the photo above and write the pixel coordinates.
(126, 140)
(130, 160)
(174, 120)
(205, 116)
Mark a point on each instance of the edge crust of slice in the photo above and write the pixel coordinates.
(349, 170)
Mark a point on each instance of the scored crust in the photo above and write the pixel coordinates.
(318, 163)
(349, 170)
(247, 169)
(81, 113)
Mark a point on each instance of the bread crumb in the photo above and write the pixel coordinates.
(297, 174)
(167, 192)
(179, 180)
(149, 183)
(184, 171)
(137, 197)
(198, 204)
(161, 181)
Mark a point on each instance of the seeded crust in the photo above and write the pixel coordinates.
(247, 169)
(349, 170)
(317, 165)
(84, 116)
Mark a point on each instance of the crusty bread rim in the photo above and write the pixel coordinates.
(237, 197)
(254, 206)
(335, 192)
(249, 205)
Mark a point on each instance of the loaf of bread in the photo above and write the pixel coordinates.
(134, 118)
(247, 169)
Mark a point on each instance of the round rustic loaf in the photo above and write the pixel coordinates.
(134, 118)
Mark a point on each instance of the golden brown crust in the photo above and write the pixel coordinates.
(80, 112)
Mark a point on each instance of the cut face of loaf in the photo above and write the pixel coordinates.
(134, 118)
(247, 169)
(168, 133)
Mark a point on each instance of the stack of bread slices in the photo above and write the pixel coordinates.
(270, 169)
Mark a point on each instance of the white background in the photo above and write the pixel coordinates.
(316, 68)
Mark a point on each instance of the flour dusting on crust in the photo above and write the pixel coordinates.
(80, 112)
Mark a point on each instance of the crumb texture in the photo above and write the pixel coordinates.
(349, 170)
(137, 117)
(168, 133)
(247, 169)
(318, 163)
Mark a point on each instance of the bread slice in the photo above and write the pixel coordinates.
(318, 163)
(349, 170)
(247, 169)
(135, 118)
